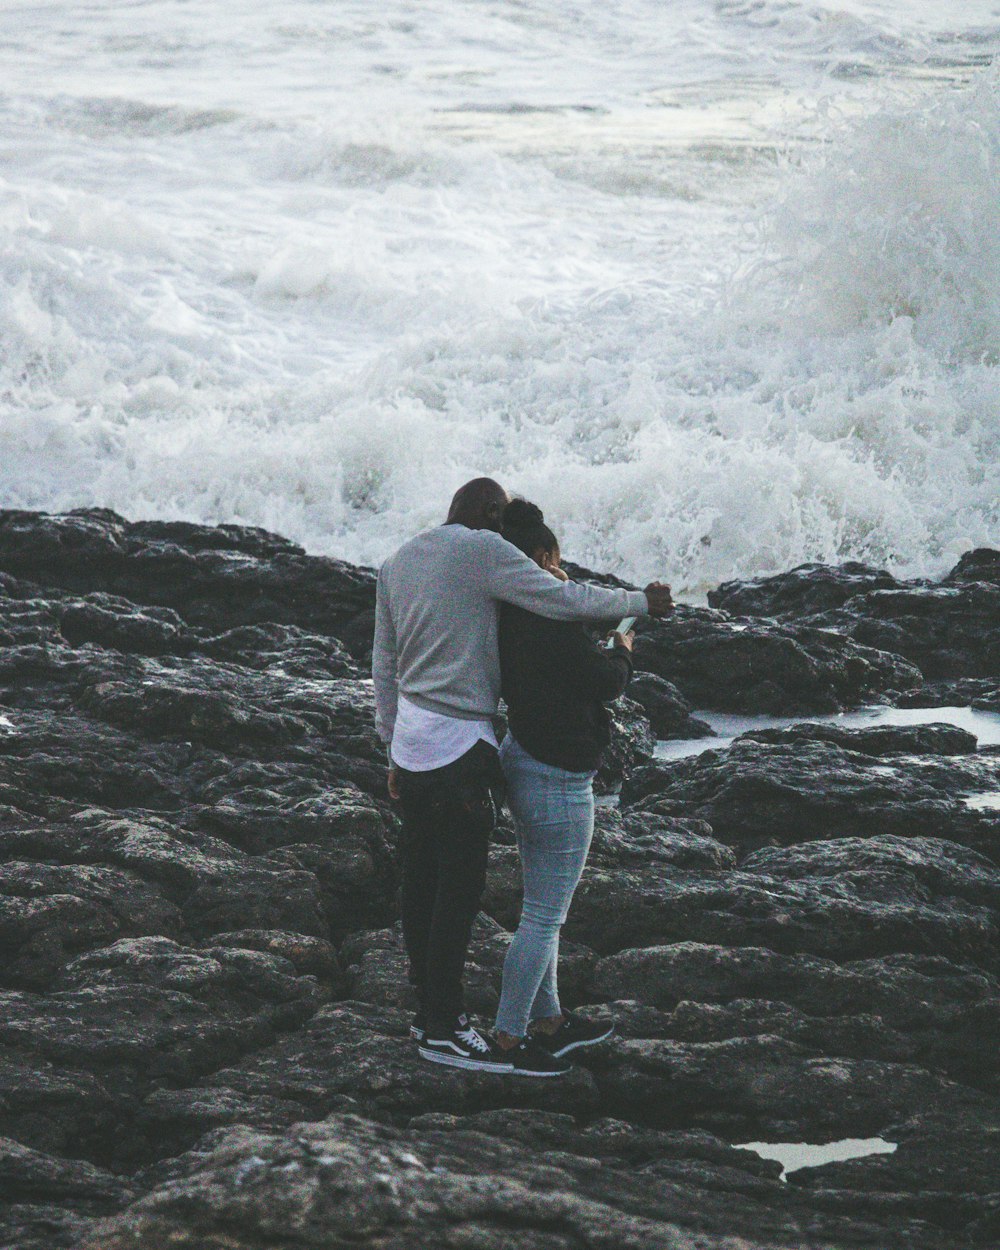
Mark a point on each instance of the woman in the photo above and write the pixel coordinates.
(556, 682)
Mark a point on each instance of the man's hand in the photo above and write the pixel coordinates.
(394, 784)
(659, 599)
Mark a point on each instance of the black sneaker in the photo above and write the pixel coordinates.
(530, 1059)
(463, 1047)
(418, 1027)
(573, 1034)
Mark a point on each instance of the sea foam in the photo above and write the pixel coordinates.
(705, 359)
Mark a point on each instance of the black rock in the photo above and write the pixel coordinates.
(844, 900)
(980, 565)
(632, 744)
(668, 711)
(349, 1181)
(198, 865)
(215, 578)
(804, 591)
(761, 667)
(790, 786)
(949, 629)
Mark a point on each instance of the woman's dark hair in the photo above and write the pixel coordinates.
(524, 525)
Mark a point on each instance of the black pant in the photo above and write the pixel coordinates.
(448, 816)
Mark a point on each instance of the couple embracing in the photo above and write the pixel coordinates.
(465, 611)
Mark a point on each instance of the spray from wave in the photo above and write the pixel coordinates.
(357, 323)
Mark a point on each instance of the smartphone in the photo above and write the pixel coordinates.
(622, 627)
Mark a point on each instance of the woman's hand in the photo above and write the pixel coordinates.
(624, 640)
(393, 784)
(558, 573)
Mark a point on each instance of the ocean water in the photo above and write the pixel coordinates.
(728, 726)
(717, 282)
(795, 1155)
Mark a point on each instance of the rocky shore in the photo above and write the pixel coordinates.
(204, 1013)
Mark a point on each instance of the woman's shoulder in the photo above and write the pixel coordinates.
(515, 618)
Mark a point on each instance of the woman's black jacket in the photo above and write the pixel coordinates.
(556, 681)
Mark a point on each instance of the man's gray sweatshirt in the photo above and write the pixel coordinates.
(436, 619)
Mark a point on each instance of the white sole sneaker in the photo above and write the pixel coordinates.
(469, 1064)
(587, 1041)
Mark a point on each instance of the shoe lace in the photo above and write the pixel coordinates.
(473, 1039)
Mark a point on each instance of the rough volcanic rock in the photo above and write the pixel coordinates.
(759, 666)
(114, 622)
(979, 565)
(314, 868)
(803, 591)
(629, 838)
(48, 1202)
(949, 629)
(954, 692)
(796, 785)
(49, 912)
(348, 1054)
(27, 1174)
(903, 1008)
(945, 1172)
(335, 834)
(286, 649)
(198, 858)
(215, 578)
(51, 1107)
(849, 899)
(632, 743)
(145, 736)
(348, 1181)
(749, 665)
(77, 1061)
(668, 711)
(900, 989)
(877, 740)
(147, 1009)
(768, 1087)
(52, 765)
(309, 956)
(160, 880)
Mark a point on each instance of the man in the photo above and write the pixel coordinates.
(436, 669)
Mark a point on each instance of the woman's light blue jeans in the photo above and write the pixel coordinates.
(554, 816)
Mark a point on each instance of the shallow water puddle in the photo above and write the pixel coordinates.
(795, 1155)
(985, 725)
(986, 802)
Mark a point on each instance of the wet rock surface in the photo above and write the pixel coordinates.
(203, 1004)
(668, 711)
(948, 629)
(785, 786)
(754, 666)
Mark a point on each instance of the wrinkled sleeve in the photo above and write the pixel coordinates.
(385, 672)
(510, 577)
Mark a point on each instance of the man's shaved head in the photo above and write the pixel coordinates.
(478, 504)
